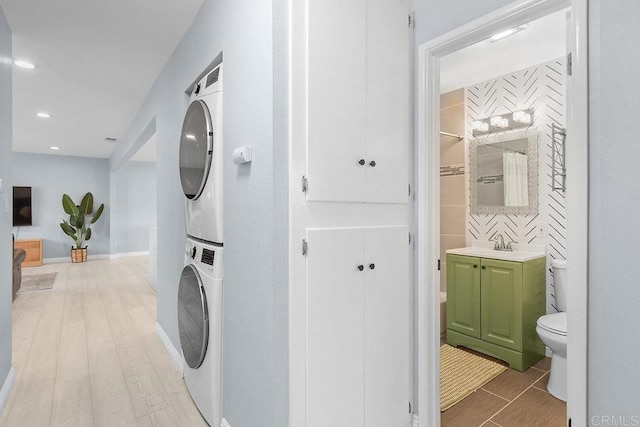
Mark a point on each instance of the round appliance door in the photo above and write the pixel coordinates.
(196, 149)
(193, 317)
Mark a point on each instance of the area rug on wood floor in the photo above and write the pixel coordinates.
(462, 373)
(37, 282)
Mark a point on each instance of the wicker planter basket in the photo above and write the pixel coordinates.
(78, 255)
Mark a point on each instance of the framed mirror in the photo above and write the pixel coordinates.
(504, 173)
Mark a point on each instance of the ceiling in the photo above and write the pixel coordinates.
(95, 63)
(542, 41)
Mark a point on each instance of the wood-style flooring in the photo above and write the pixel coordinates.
(86, 352)
(512, 399)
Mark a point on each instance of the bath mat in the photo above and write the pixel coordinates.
(37, 282)
(462, 373)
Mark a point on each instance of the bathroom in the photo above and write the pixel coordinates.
(502, 186)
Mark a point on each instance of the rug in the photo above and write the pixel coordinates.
(462, 373)
(37, 282)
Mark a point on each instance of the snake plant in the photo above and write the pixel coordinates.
(78, 225)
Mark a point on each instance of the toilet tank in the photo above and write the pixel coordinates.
(560, 283)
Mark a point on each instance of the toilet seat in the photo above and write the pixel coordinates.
(555, 323)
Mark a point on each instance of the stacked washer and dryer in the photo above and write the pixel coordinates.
(200, 287)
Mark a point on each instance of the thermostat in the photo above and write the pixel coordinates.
(242, 155)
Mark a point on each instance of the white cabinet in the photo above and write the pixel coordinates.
(358, 101)
(358, 327)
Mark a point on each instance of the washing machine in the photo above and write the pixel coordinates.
(200, 326)
(201, 159)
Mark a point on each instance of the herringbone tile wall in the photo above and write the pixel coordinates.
(541, 88)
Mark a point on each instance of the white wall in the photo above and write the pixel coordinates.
(614, 203)
(255, 283)
(6, 249)
(133, 206)
(50, 176)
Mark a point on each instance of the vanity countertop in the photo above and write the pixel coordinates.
(484, 249)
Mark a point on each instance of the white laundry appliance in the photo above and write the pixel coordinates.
(201, 159)
(200, 326)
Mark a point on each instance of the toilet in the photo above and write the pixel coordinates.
(552, 330)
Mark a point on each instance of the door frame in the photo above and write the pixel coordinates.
(428, 197)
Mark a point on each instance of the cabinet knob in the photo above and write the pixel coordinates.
(372, 163)
(372, 266)
(475, 265)
(484, 267)
(361, 267)
(361, 162)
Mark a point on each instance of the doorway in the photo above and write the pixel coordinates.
(428, 197)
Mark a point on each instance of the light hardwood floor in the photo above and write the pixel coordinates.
(86, 352)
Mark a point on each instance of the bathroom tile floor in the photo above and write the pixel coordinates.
(512, 399)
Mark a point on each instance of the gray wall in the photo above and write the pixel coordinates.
(133, 206)
(255, 283)
(6, 250)
(50, 176)
(614, 203)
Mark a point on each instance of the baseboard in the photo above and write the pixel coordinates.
(128, 254)
(415, 420)
(68, 259)
(6, 388)
(224, 423)
(168, 345)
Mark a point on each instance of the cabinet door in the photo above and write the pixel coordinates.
(388, 327)
(502, 303)
(388, 102)
(336, 100)
(463, 295)
(335, 328)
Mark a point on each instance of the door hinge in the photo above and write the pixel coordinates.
(305, 247)
(409, 238)
(410, 21)
(569, 64)
(409, 407)
(438, 265)
(409, 189)
(305, 184)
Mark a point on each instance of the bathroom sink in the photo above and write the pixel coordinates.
(484, 249)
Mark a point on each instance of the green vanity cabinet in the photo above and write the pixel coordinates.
(493, 306)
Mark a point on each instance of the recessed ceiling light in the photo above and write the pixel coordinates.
(506, 33)
(53, 147)
(43, 115)
(24, 64)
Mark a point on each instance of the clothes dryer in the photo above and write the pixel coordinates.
(201, 159)
(200, 326)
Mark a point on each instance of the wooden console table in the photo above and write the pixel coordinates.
(33, 248)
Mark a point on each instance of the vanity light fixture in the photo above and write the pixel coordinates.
(506, 33)
(522, 117)
(54, 148)
(24, 64)
(43, 115)
(480, 125)
(499, 122)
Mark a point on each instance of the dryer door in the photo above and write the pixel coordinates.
(196, 149)
(193, 317)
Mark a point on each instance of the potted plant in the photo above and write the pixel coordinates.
(78, 225)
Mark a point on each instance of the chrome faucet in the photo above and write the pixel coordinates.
(500, 246)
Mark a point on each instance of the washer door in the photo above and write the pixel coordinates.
(196, 149)
(193, 317)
